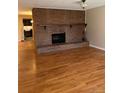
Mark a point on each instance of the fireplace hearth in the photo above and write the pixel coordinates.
(58, 38)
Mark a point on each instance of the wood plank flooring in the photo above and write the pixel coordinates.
(71, 71)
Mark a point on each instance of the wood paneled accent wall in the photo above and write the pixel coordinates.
(49, 21)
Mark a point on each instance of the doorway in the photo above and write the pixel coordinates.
(27, 29)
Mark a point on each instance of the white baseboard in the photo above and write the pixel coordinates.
(97, 47)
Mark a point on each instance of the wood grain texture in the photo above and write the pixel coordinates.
(72, 71)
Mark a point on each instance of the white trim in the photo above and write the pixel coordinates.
(97, 47)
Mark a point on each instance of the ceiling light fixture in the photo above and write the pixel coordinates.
(83, 4)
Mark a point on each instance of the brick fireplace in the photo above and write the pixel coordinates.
(54, 26)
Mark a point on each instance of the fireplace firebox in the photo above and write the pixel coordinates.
(58, 38)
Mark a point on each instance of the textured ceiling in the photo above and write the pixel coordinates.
(25, 6)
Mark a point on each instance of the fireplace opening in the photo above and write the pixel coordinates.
(58, 38)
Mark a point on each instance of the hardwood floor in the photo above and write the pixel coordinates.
(70, 71)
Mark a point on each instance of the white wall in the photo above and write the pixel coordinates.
(95, 19)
